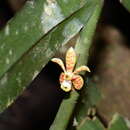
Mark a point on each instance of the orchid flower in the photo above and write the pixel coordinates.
(69, 78)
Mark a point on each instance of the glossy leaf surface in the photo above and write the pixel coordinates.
(31, 24)
(27, 68)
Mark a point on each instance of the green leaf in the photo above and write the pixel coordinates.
(90, 96)
(60, 123)
(83, 45)
(91, 125)
(126, 4)
(118, 123)
(24, 71)
(30, 25)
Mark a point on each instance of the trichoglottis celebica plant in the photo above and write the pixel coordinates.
(70, 79)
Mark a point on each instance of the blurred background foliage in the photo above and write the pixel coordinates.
(104, 102)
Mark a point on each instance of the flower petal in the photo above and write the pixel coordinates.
(62, 77)
(59, 62)
(82, 68)
(70, 59)
(78, 82)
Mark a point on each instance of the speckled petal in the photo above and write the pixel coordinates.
(77, 82)
(59, 62)
(62, 77)
(82, 68)
(70, 59)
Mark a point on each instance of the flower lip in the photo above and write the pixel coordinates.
(66, 85)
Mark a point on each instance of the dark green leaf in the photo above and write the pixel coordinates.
(23, 72)
(118, 123)
(89, 98)
(30, 25)
(91, 125)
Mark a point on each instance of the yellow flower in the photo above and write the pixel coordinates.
(69, 78)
